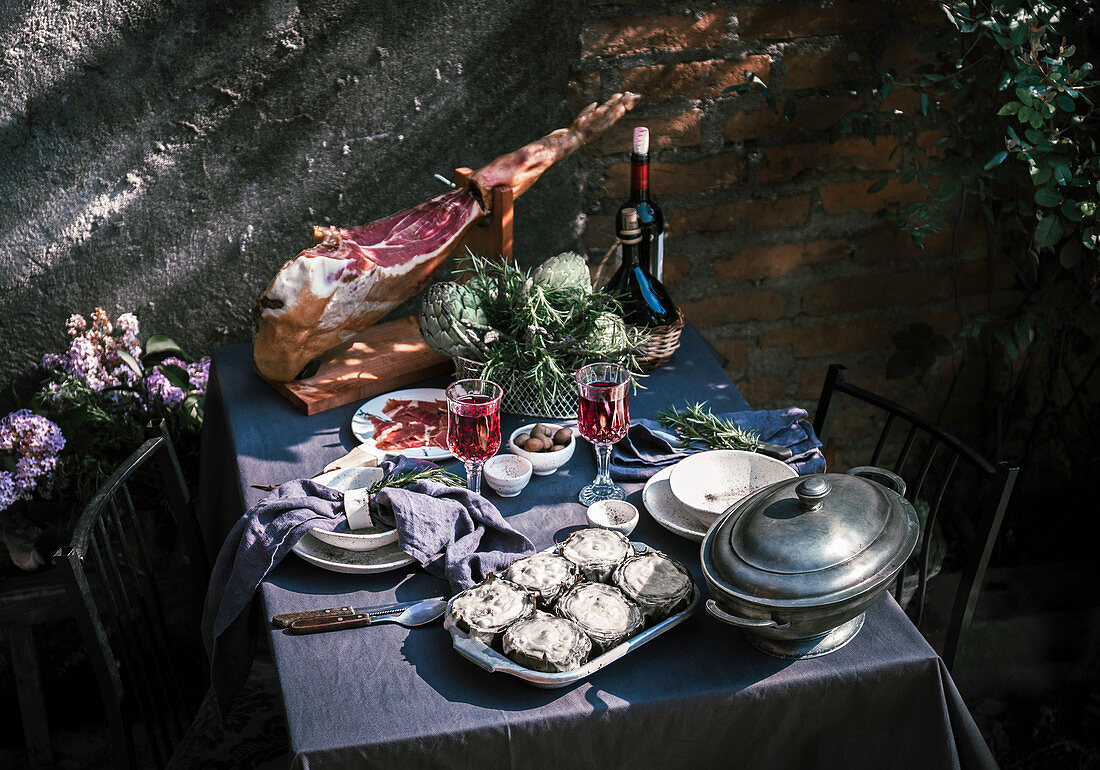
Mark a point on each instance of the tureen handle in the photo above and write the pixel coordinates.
(881, 475)
(733, 620)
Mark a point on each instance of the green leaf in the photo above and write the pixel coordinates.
(950, 186)
(162, 345)
(1024, 95)
(1046, 196)
(924, 102)
(130, 361)
(1024, 114)
(176, 375)
(1064, 102)
(1071, 211)
(1010, 109)
(1071, 253)
(1048, 231)
(1034, 136)
(996, 160)
(1063, 174)
(878, 185)
(1036, 120)
(1006, 78)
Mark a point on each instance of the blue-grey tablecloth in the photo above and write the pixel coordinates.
(700, 696)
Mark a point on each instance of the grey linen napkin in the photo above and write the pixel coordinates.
(648, 446)
(452, 532)
(257, 542)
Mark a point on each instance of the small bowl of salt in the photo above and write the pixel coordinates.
(507, 474)
(618, 515)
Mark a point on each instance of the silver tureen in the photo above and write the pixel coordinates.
(797, 563)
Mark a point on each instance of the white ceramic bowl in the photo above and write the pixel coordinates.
(710, 482)
(543, 463)
(507, 474)
(618, 515)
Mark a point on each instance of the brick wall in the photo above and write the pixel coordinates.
(776, 250)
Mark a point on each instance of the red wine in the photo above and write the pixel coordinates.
(651, 250)
(473, 427)
(604, 412)
(645, 300)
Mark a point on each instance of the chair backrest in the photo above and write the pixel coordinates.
(938, 468)
(121, 596)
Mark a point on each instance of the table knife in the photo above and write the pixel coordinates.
(347, 614)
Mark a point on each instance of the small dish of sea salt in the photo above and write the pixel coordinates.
(507, 474)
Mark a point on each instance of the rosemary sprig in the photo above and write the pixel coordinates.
(698, 425)
(438, 475)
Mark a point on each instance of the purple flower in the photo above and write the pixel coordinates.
(34, 442)
(161, 391)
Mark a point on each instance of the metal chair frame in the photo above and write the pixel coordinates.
(108, 574)
(1001, 479)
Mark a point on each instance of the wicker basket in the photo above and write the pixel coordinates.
(663, 342)
(520, 397)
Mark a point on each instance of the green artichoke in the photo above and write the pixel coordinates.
(566, 270)
(609, 335)
(453, 320)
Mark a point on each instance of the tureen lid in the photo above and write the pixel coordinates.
(810, 540)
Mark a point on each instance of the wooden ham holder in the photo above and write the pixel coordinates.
(390, 355)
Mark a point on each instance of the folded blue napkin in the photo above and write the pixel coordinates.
(648, 446)
(452, 532)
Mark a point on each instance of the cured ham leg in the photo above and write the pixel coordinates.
(351, 277)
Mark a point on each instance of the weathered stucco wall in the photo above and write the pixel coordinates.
(167, 157)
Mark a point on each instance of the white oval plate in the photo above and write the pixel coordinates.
(669, 512)
(710, 482)
(343, 480)
(388, 557)
(363, 428)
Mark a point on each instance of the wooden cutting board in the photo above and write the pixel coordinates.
(381, 358)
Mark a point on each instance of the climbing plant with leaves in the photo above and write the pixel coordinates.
(1011, 88)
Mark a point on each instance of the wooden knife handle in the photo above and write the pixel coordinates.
(284, 620)
(331, 623)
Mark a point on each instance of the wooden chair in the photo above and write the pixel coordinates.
(940, 469)
(120, 603)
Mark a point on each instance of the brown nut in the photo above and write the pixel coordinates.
(521, 439)
(557, 447)
(533, 444)
(540, 430)
(563, 436)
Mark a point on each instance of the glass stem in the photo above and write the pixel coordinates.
(473, 476)
(603, 466)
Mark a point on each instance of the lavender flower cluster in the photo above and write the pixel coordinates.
(93, 356)
(34, 443)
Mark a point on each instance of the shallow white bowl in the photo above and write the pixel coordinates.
(543, 463)
(710, 482)
(602, 514)
(507, 474)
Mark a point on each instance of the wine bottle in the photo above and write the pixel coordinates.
(650, 217)
(645, 299)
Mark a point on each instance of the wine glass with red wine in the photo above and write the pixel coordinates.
(603, 418)
(473, 425)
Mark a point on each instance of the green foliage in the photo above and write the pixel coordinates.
(546, 331)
